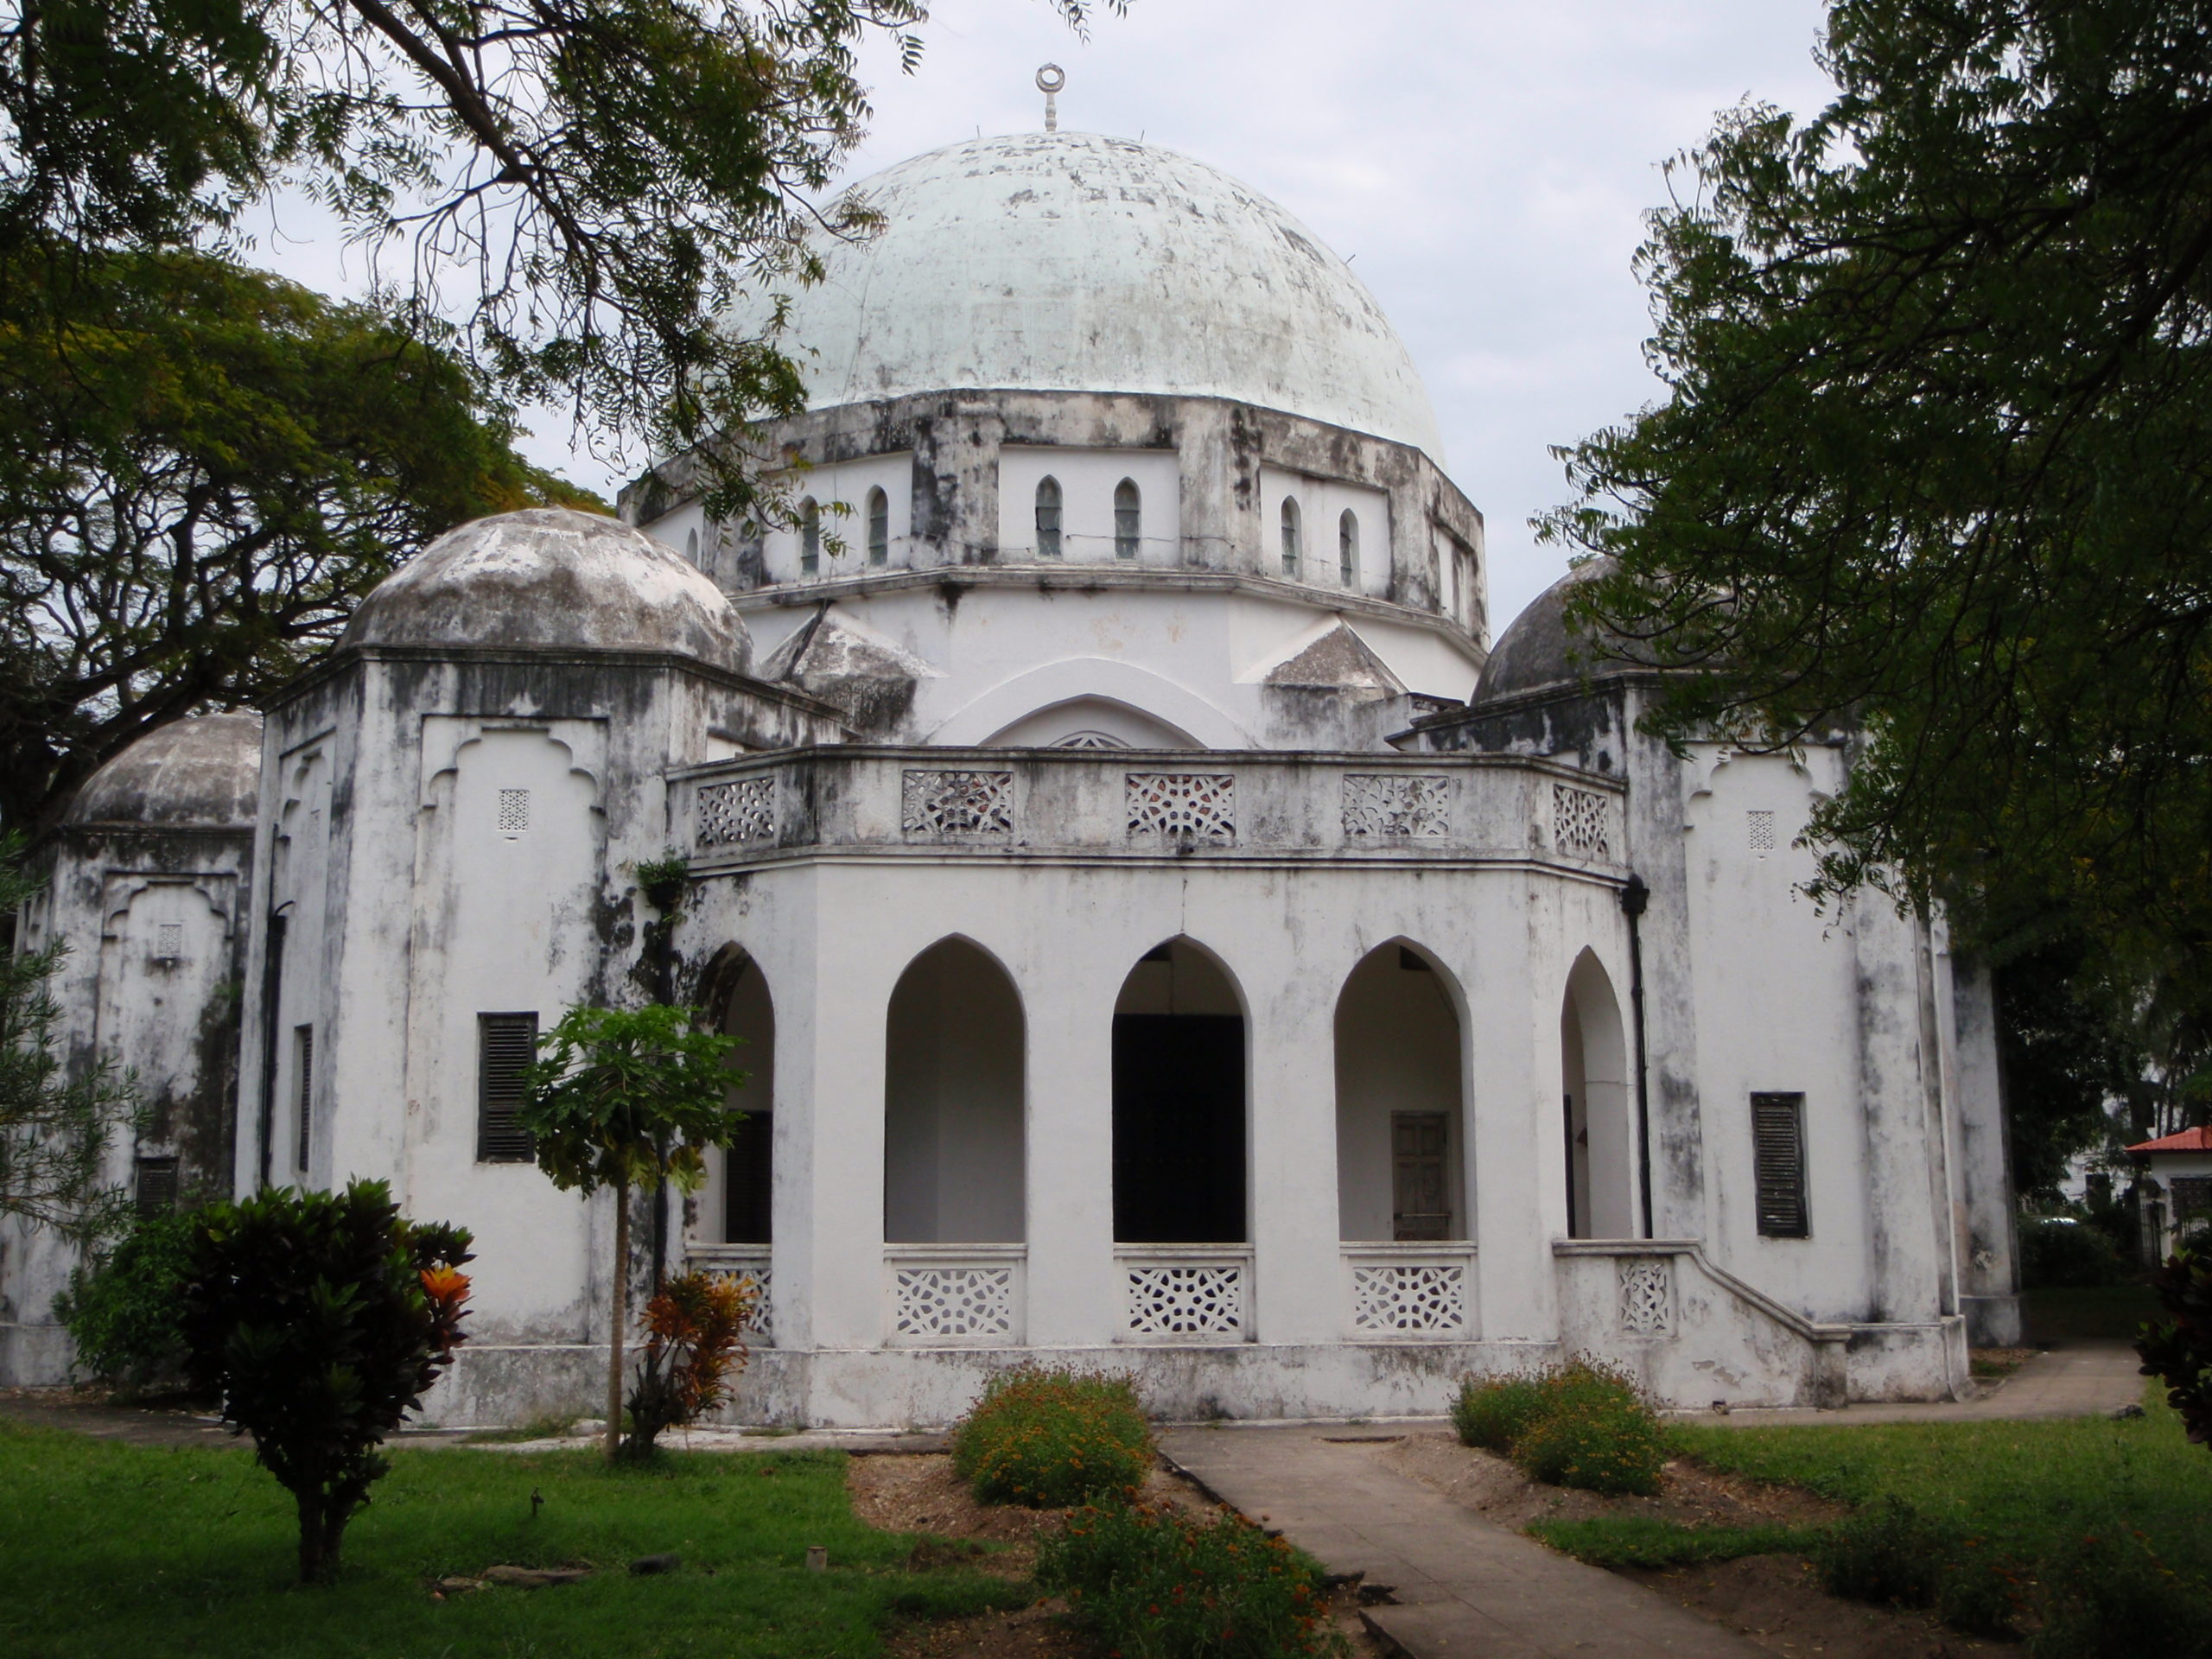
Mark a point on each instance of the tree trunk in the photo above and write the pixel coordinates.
(619, 1314)
(313, 1569)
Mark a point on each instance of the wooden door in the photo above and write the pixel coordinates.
(1421, 1191)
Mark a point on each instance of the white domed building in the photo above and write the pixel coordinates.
(1166, 935)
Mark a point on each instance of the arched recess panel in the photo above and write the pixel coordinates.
(1400, 1146)
(1178, 1102)
(736, 1206)
(1600, 1151)
(953, 1118)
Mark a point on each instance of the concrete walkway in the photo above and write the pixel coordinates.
(2088, 1379)
(1464, 1587)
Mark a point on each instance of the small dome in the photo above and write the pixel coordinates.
(204, 773)
(550, 579)
(1070, 262)
(1536, 651)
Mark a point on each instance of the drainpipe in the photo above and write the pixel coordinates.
(272, 982)
(1634, 897)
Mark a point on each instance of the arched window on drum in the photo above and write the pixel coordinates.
(1129, 518)
(879, 527)
(1048, 517)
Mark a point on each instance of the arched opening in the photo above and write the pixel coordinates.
(953, 1118)
(879, 527)
(1600, 1151)
(1129, 518)
(1347, 549)
(737, 1204)
(1291, 550)
(810, 537)
(1400, 1157)
(1178, 1102)
(1048, 517)
(691, 545)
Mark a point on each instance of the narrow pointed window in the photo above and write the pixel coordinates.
(1348, 550)
(810, 537)
(1290, 547)
(691, 545)
(879, 527)
(1129, 518)
(1048, 518)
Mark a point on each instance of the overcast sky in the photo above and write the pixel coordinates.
(1484, 164)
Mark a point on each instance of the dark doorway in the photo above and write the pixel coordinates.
(1178, 1128)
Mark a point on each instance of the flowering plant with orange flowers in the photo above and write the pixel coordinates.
(695, 1346)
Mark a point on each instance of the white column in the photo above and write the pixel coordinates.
(1299, 1295)
(1513, 1097)
(1074, 1299)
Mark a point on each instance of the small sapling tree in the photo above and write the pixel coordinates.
(694, 1344)
(625, 1097)
(320, 1319)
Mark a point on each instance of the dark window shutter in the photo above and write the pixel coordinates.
(156, 1185)
(1778, 1156)
(304, 1042)
(750, 1187)
(505, 1044)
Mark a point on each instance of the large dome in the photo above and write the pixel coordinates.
(199, 773)
(1068, 262)
(550, 579)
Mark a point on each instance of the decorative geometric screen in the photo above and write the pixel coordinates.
(957, 805)
(733, 813)
(1182, 806)
(1578, 822)
(1397, 806)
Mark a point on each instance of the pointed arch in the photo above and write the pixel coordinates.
(954, 1100)
(1292, 538)
(737, 1204)
(879, 527)
(1347, 549)
(1599, 1142)
(1128, 519)
(810, 537)
(1401, 1145)
(1048, 517)
(1180, 1106)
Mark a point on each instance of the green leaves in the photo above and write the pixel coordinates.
(55, 1125)
(320, 1319)
(1934, 460)
(202, 470)
(625, 1096)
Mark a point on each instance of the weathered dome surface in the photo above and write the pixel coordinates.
(1070, 262)
(204, 773)
(550, 579)
(1537, 650)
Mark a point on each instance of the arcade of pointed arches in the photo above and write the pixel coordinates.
(956, 1108)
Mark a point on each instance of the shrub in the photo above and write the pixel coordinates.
(1579, 1424)
(2058, 1252)
(2177, 1350)
(694, 1343)
(1980, 1593)
(123, 1311)
(1643, 1541)
(1153, 1584)
(1596, 1441)
(1888, 1553)
(1493, 1412)
(320, 1319)
(1053, 1438)
(2111, 1598)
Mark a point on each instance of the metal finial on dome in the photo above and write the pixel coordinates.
(1050, 80)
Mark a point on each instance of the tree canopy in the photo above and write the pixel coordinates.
(1934, 459)
(202, 469)
(582, 189)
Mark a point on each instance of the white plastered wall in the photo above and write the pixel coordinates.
(1322, 503)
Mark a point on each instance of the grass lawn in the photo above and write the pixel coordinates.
(108, 1549)
(2032, 1491)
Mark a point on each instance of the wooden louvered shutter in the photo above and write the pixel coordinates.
(1778, 1156)
(506, 1043)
